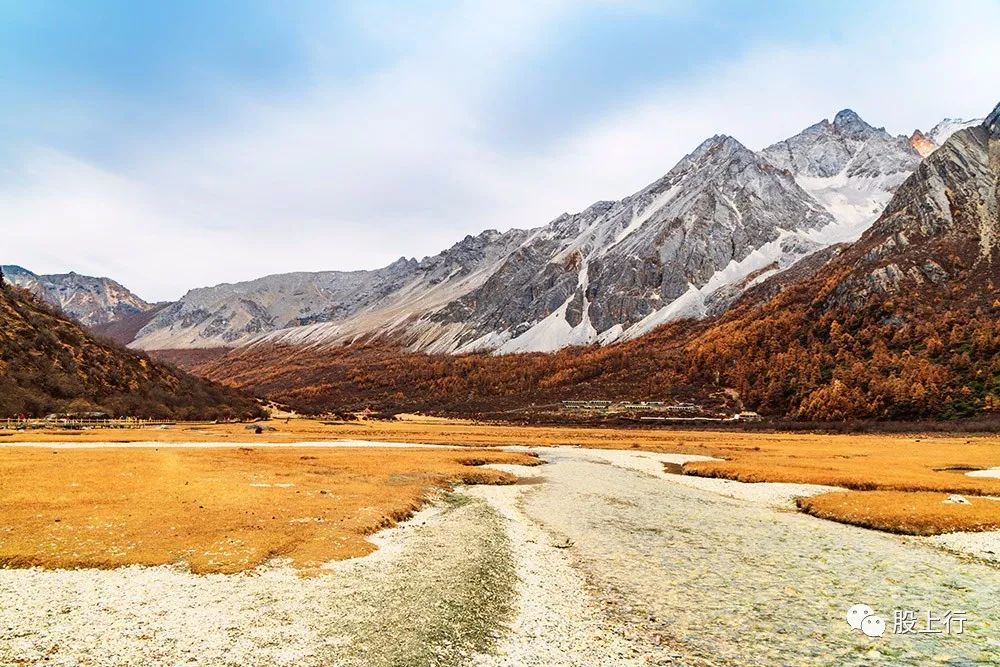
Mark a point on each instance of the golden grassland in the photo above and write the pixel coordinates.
(897, 484)
(217, 509)
(910, 512)
(198, 504)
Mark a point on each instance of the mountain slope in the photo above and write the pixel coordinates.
(905, 322)
(218, 316)
(124, 330)
(718, 215)
(228, 315)
(849, 166)
(612, 271)
(49, 363)
(722, 220)
(89, 300)
(480, 385)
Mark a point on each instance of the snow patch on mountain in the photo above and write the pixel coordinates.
(761, 263)
(850, 167)
(720, 221)
(551, 334)
(949, 126)
(854, 202)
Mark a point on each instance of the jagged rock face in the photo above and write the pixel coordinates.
(849, 166)
(722, 221)
(922, 143)
(741, 204)
(226, 314)
(942, 226)
(91, 301)
(601, 273)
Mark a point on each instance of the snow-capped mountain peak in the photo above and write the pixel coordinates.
(849, 123)
(949, 126)
(849, 166)
(723, 219)
(927, 142)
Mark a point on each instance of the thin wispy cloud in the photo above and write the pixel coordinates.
(390, 130)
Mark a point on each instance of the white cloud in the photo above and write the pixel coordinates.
(399, 163)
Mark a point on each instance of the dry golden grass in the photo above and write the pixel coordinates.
(913, 513)
(898, 483)
(863, 463)
(902, 463)
(217, 509)
(426, 430)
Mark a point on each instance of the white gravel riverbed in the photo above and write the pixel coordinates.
(432, 596)
(596, 559)
(695, 577)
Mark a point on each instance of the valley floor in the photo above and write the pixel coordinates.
(599, 557)
(898, 483)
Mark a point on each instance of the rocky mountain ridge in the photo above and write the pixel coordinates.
(89, 300)
(902, 324)
(722, 219)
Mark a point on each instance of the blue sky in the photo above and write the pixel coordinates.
(177, 144)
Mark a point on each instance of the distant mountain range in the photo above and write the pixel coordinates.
(91, 301)
(835, 274)
(925, 144)
(724, 219)
(903, 323)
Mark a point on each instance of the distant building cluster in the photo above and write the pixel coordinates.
(663, 411)
(589, 406)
